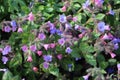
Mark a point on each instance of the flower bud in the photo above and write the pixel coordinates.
(35, 69)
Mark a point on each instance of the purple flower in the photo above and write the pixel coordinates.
(33, 48)
(111, 12)
(14, 25)
(41, 36)
(14, 29)
(115, 40)
(58, 32)
(86, 4)
(101, 26)
(76, 27)
(47, 58)
(46, 65)
(116, 46)
(67, 25)
(53, 31)
(61, 41)
(7, 29)
(51, 25)
(6, 50)
(68, 50)
(62, 18)
(59, 56)
(4, 59)
(24, 48)
(99, 3)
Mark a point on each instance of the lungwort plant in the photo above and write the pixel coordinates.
(60, 40)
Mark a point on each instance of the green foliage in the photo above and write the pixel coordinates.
(92, 53)
(100, 16)
(91, 60)
(16, 61)
(7, 76)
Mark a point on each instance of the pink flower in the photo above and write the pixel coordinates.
(24, 48)
(30, 17)
(112, 54)
(105, 37)
(99, 3)
(61, 41)
(29, 59)
(39, 53)
(75, 19)
(81, 35)
(59, 56)
(33, 48)
(110, 36)
(86, 77)
(20, 30)
(46, 46)
(35, 69)
(52, 45)
(41, 36)
(107, 27)
(63, 9)
(118, 66)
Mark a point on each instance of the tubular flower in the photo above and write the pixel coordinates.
(30, 17)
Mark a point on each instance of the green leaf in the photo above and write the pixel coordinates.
(96, 35)
(7, 75)
(79, 1)
(54, 71)
(91, 60)
(112, 61)
(75, 53)
(49, 9)
(116, 2)
(100, 58)
(100, 16)
(85, 38)
(79, 16)
(103, 64)
(85, 48)
(41, 8)
(103, 71)
(16, 61)
(76, 6)
(16, 78)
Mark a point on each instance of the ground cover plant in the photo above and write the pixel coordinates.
(59, 40)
